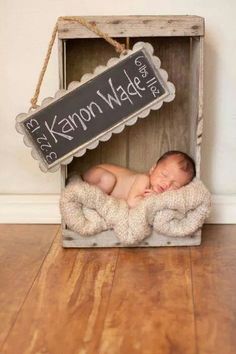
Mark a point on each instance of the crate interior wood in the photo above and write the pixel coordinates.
(178, 42)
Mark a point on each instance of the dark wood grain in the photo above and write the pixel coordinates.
(214, 290)
(22, 252)
(66, 307)
(97, 301)
(150, 309)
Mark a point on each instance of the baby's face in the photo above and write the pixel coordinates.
(167, 175)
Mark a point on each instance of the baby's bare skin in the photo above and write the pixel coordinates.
(125, 179)
(119, 182)
(131, 186)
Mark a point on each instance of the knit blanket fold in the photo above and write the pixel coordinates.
(87, 210)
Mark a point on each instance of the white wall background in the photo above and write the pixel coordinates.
(26, 27)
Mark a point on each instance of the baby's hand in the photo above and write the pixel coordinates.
(148, 191)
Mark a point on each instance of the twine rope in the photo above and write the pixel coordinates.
(120, 48)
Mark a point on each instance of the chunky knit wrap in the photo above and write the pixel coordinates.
(87, 210)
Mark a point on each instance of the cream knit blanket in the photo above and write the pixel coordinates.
(87, 210)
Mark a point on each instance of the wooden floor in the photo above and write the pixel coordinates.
(156, 300)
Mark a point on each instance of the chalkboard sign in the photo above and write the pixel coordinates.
(125, 89)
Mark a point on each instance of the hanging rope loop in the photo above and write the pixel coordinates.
(120, 48)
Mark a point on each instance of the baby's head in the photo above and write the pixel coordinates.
(172, 171)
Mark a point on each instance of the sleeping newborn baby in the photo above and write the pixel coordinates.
(172, 171)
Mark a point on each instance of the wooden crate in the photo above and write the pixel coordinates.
(178, 42)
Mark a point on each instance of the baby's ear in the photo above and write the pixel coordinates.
(152, 169)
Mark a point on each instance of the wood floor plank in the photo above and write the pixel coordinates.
(214, 288)
(66, 307)
(22, 251)
(99, 301)
(150, 309)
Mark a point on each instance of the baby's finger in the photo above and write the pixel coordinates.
(147, 192)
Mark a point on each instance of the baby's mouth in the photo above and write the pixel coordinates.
(159, 189)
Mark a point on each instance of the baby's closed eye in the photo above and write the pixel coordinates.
(164, 174)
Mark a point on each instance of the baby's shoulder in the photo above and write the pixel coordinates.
(142, 178)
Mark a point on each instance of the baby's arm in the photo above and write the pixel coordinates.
(137, 189)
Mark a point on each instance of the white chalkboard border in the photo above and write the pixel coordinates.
(116, 129)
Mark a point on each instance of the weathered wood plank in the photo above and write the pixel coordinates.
(115, 150)
(214, 290)
(109, 239)
(150, 310)
(22, 251)
(65, 309)
(196, 100)
(167, 128)
(134, 26)
(200, 116)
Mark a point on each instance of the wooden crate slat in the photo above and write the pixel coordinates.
(129, 26)
(109, 239)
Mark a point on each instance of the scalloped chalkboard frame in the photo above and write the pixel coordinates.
(34, 125)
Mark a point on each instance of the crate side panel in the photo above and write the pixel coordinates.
(167, 128)
(196, 100)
